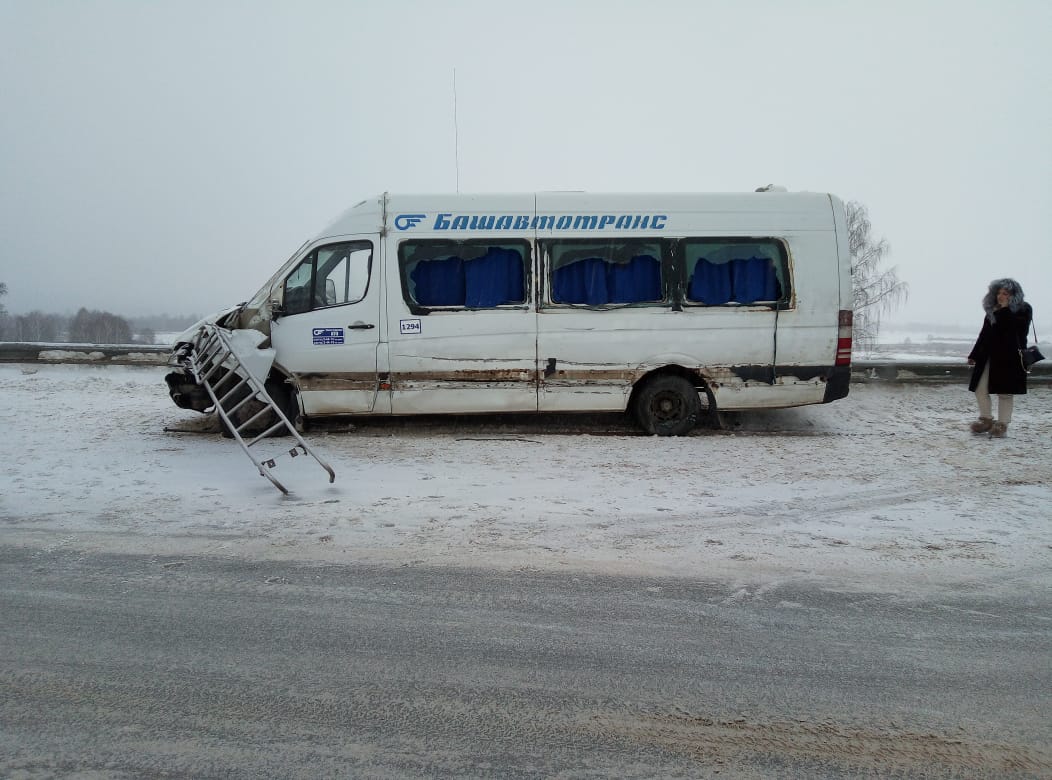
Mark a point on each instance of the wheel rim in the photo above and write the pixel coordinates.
(668, 407)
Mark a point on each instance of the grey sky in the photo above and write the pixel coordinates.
(168, 156)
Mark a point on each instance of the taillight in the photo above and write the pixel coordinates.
(843, 341)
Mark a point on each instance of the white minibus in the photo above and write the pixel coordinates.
(662, 305)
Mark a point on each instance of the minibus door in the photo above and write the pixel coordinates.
(327, 330)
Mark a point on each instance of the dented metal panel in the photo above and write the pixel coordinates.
(740, 397)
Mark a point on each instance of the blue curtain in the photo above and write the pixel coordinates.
(745, 280)
(636, 281)
(754, 280)
(583, 281)
(595, 282)
(439, 282)
(495, 278)
(710, 283)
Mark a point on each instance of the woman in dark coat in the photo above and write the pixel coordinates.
(998, 368)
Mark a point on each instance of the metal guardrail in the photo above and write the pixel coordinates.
(934, 371)
(94, 354)
(863, 370)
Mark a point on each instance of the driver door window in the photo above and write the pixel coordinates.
(331, 275)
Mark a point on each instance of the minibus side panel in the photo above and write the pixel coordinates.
(460, 355)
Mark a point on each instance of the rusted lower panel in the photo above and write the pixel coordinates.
(752, 374)
(337, 382)
(764, 373)
(592, 376)
(469, 375)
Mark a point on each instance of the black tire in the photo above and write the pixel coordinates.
(667, 406)
(284, 397)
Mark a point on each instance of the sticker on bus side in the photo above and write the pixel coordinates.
(409, 327)
(328, 335)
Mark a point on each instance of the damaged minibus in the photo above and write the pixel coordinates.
(666, 306)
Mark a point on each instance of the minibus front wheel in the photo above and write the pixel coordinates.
(285, 397)
(667, 405)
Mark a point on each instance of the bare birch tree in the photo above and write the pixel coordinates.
(878, 290)
(3, 313)
(36, 326)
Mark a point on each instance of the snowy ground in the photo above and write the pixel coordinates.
(884, 490)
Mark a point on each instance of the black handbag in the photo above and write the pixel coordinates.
(1032, 354)
(1029, 356)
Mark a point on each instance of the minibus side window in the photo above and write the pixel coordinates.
(331, 275)
(475, 274)
(744, 271)
(602, 273)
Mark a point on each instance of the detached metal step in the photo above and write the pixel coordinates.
(223, 373)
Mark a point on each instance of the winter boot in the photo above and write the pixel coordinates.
(982, 425)
(998, 429)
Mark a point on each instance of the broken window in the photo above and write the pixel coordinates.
(735, 271)
(601, 273)
(464, 274)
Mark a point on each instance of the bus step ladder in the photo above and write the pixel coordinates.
(217, 367)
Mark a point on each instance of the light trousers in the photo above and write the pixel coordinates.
(1005, 403)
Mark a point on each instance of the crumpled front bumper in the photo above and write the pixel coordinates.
(186, 393)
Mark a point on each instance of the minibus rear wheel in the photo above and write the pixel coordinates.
(667, 405)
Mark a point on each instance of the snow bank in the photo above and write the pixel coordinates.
(884, 490)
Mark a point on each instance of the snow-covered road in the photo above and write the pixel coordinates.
(885, 490)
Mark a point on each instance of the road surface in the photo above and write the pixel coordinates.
(128, 666)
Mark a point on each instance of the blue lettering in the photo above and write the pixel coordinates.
(450, 221)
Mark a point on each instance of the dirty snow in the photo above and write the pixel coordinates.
(884, 490)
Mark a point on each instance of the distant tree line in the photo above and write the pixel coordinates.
(86, 326)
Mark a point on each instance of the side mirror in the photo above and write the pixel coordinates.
(277, 309)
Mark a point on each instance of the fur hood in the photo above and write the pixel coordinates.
(1015, 303)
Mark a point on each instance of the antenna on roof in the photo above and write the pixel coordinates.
(456, 130)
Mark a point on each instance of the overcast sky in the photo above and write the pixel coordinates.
(168, 156)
